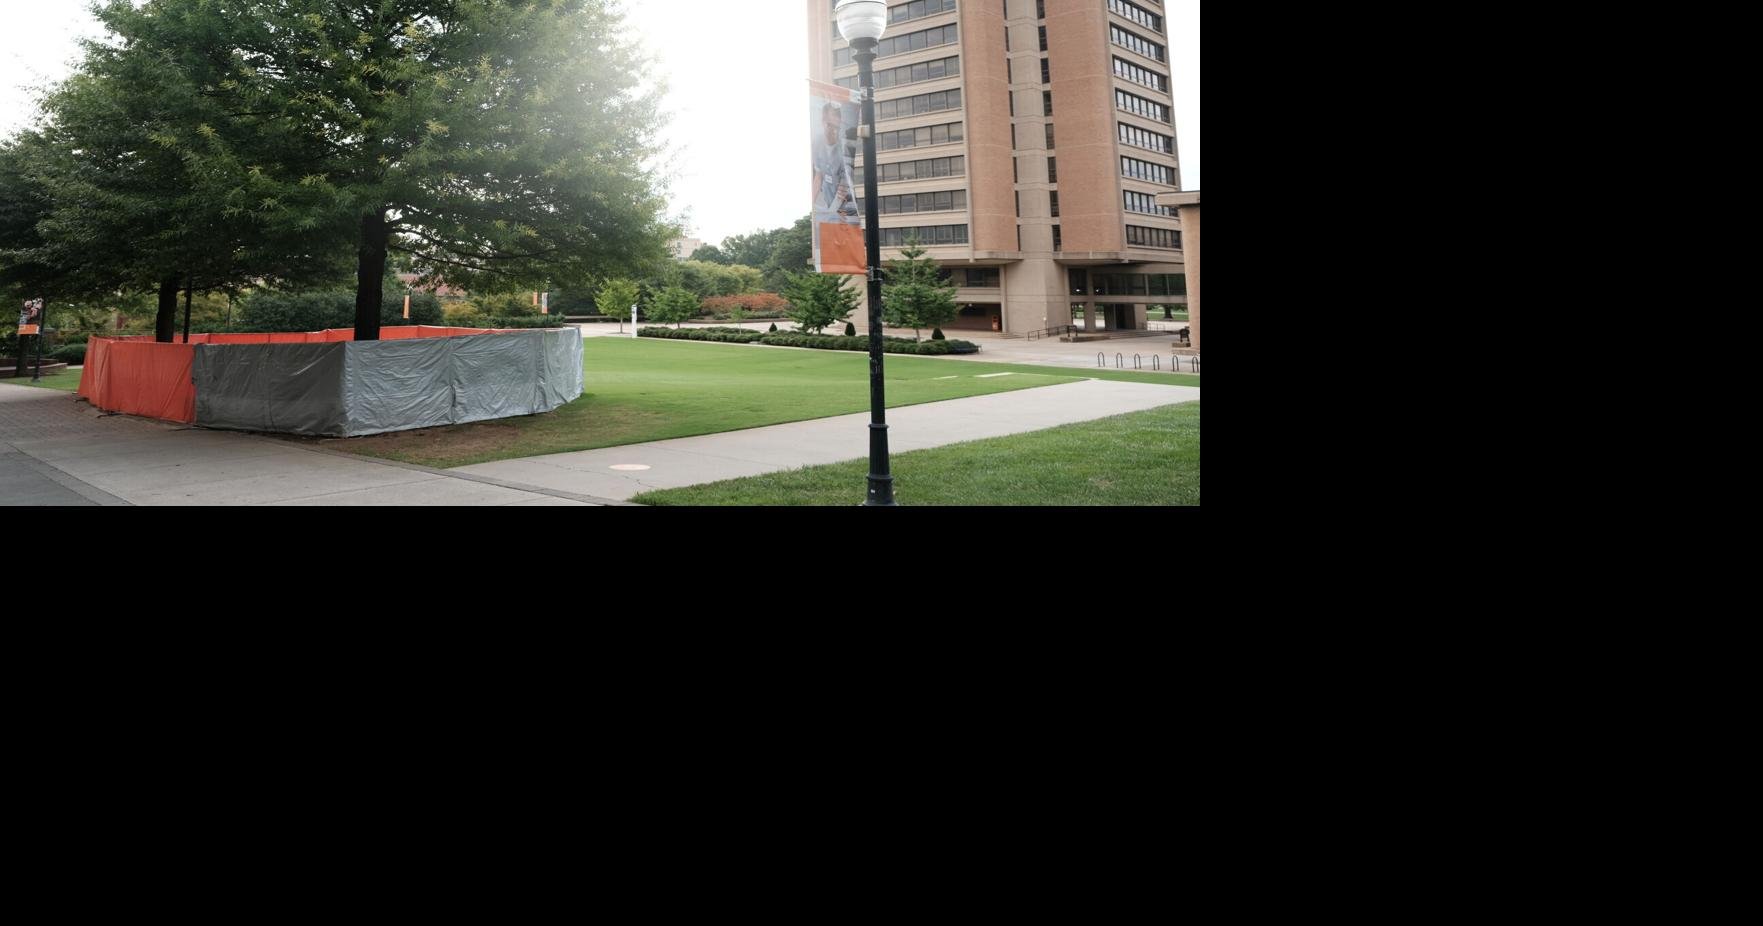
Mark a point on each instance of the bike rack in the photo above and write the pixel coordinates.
(1155, 360)
(1118, 364)
(1135, 362)
(1101, 361)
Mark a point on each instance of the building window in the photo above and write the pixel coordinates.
(1058, 245)
(1053, 204)
(927, 235)
(1046, 102)
(1145, 170)
(916, 170)
(1046, 78)
(977, 278)
(1015, 174)
(917, 9)
(945, 201)
(1139, 236)
(1052, 170)
(1049, 127)
(901, 44)
(909, 74)
(1140, 138)
(1043, 38)
(1139, 106)
(937, 102)
(1144, 203)
(920, 137)
(1040, 9)
(1137, 14)
(1126, 70)
(1132, 41)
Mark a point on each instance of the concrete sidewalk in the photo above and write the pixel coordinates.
(692, 460)
(57, 450)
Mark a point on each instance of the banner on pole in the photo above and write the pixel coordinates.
(30, 317)
(838, 225)
(545, 303)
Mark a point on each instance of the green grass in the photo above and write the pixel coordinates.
(66, 382)
(1143, 458)
(640, 390)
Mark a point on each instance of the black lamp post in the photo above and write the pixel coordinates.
(862, 23)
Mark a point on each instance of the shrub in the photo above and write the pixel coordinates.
(505, 305)
(936, 334)
(522, 321)
(314, 311)
(725, 335)
(70, 353)
(890, 345)
(850, 330)
(774, 327)
(748, 303)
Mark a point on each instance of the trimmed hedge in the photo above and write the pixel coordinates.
(728, 335)
(316, 311)
(70, 353)
(889, 345)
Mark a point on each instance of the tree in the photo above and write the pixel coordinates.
(615, 297)
(141, 165)
(792, 250)
(818, 299)
(501, 143)
(710, 253)
(914, 294)
(752, 249)
(673, 304)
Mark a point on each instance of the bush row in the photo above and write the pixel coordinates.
(889, 345)
(730, 335)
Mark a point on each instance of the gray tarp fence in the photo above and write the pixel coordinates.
(353, 388)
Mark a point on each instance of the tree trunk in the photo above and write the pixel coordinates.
(166, 322)
(187, 295)
(370, 275)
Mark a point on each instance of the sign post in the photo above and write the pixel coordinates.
(30, 320)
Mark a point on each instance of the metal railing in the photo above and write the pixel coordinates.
(1049, 332)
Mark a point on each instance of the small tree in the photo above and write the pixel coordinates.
(915, 295)
(818, 300)
(615, 297)
(673, 304)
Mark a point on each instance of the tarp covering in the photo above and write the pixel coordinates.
(139, 377)
(323, 383)
(420, 380)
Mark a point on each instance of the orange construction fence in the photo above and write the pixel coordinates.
(135, 375)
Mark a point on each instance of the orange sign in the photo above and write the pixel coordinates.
(27, 329)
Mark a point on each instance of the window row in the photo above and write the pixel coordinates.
(1145, 203)
(1139, 106)
(916, 105)
(971, 277)
(901, 44)
(919, 137)
(926, 234)
(1145, 170)
(909, 74)
(1139, 138)
(1139, 236)
(1126, 70)
(945, 201)
(918, 9)
(1128, 284)
(1133, 42)
(1137, 14)
(916, 170)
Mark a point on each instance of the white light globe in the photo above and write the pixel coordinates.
(862, 19)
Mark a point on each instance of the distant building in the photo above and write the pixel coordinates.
(409, 280)
(682, 248)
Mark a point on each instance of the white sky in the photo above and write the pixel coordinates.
(736, 89)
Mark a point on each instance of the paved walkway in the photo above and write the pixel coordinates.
(692, 460)
(57, 450)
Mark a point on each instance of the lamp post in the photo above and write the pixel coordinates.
(862, 23)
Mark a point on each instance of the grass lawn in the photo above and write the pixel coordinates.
(654, 389)
(1143, 458)
(66, 382)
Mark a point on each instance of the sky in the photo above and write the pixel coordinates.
(735, 86)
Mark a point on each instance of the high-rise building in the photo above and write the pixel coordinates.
(1025, 142)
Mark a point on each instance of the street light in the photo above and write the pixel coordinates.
(862, 23)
